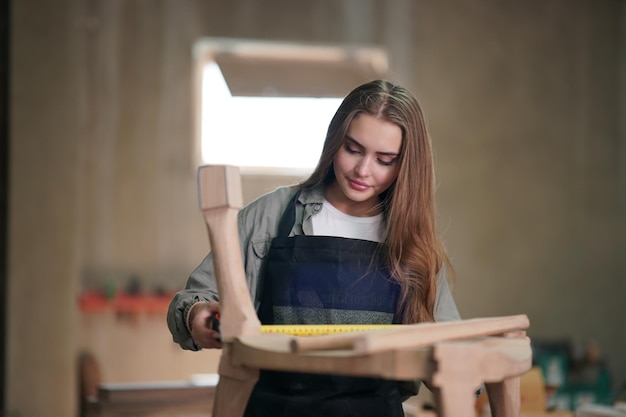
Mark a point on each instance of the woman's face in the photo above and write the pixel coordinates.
(366, 165)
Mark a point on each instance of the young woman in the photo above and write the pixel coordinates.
(355, 243)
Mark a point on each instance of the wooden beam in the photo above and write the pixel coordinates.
(413, 336)
(220, 198)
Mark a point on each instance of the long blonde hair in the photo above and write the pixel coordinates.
(411, 247)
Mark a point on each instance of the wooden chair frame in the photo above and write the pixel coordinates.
(455, 358)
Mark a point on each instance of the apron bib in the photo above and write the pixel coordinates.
(324, 280)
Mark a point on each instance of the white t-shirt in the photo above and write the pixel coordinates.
(332, 222)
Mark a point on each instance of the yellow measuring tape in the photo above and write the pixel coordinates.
(321, 329)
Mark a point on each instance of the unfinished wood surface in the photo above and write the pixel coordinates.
(273, 352)
(505, 393)
(504, 397)
(462, 366)
(220, 198)
(506, 357)
(455, 367)
(234, 387)
(413, 336)
(219, 186)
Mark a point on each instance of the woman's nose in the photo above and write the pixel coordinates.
(363, 167)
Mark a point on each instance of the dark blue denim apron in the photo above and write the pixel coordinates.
(324, 280)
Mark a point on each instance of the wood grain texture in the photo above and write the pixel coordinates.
(493, 357)
(455, 357)
(219, 186)
(234, 387)
(237, 313)
(219, 189)
(413, 336)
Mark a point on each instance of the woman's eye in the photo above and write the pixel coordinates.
(351, 150)
(386, 163)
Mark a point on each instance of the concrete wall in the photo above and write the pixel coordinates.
(525, 103)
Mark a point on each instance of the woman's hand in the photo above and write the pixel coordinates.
(200, 317)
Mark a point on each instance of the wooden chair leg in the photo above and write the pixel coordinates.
(504, 397)
(220, 199)
(455, 399)
(234, 388)
(456, 379)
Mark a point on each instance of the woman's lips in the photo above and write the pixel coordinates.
(359, 186)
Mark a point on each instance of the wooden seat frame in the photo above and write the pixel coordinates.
(454, 358)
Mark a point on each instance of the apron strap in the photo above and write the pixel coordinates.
(289, 217)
